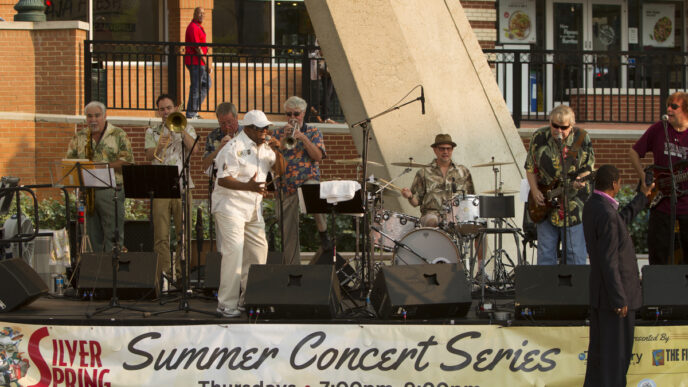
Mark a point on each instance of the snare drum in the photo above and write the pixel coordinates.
(395, 225)
(465, 213)
(433, 245)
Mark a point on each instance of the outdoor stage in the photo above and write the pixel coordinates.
(52, 342)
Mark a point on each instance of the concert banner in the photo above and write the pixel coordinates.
(337, 355)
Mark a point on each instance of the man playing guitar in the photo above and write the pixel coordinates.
(654, 140)
(549, 146)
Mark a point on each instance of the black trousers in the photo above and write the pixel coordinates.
(609, 349)
(659, 232)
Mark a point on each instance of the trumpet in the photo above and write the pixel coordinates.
(176, 123)
(289, 142)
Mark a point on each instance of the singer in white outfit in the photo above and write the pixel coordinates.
(243, 165)
(544, 165)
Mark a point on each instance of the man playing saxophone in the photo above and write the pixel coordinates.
(164, 147)
(108, 144)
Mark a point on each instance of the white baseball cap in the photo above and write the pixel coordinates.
(256, 118)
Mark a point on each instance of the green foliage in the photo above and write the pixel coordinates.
(638, 227)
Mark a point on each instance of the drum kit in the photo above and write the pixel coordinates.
(458, 238)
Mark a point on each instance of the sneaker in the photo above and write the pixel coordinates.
(228, 312)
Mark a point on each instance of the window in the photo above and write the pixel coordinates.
(124, 20)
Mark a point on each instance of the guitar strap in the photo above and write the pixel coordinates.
(580, 136)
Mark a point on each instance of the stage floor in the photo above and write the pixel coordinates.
(53, 310)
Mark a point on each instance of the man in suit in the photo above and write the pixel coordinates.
(614, 279)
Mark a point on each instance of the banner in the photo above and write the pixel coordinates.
(271, 355)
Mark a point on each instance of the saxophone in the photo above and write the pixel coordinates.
(89, 193)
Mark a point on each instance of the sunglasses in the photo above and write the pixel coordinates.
(673, 106)
(560, 127)
(293, 114)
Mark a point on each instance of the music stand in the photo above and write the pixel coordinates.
(105, 178)
(309, 198)
(151, 182)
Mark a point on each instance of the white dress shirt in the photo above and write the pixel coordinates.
(241, 158)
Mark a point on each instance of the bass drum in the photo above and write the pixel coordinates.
(433, 245)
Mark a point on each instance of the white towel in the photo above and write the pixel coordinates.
(339, 190)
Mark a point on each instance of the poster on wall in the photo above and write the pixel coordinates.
(517, 22)
(658, 25)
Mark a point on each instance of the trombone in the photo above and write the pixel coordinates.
(176, 123)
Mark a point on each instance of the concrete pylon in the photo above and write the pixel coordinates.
(378, 50)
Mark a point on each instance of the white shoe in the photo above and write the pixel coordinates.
(228, 312)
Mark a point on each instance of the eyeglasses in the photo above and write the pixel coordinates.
(560, 127)
(444, 148)
(673, 106)
(293, 114)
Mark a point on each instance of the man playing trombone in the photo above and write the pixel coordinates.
(164, 147)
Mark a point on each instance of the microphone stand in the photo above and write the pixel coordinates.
(672, 214)
(565, 197)
(367, 261)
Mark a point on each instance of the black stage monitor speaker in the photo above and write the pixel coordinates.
(19, 284)
(421, 291)
(293, 291)
(552, 292)
(665, 292)
(136, 275)
(213, 260)
(138, 235)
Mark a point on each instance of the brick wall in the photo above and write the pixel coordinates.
(482, 16)
(7, 10)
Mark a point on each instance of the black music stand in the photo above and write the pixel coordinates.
(91, 179)
(151, 182)
(310, 193)
(315, 205)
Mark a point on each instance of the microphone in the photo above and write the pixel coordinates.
(422, 100)
(665, 117)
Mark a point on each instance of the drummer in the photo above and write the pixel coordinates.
(439, 182)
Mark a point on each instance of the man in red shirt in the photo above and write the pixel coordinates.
(197, 63)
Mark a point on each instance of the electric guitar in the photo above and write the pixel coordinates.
(662, 179)
(551, 192)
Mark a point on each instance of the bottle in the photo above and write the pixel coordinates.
(59, 285)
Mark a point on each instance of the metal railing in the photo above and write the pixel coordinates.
(130, 75)
(601, 86)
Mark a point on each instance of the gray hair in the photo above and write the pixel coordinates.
(295, 102)
(225, 108)
(97, 104)
(563, 113)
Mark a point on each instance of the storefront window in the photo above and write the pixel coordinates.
(125, 20)
(248, 22)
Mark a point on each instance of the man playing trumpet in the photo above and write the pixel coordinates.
(164, 147)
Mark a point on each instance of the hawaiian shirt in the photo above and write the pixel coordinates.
(173, 153)
(214, 140)
(113, 146)
(300, 166)
(432, 189)
(544, 161)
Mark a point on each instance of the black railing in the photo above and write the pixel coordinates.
(130, 75)
(601, 86)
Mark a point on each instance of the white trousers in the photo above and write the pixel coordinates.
(242, 244)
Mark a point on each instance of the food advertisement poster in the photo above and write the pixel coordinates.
(517, 22)
(658, 25)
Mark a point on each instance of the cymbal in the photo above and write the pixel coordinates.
(504, 192)
(356, 161)
(493, 164)
(410, 165)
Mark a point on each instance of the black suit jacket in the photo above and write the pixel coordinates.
(614, 276)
